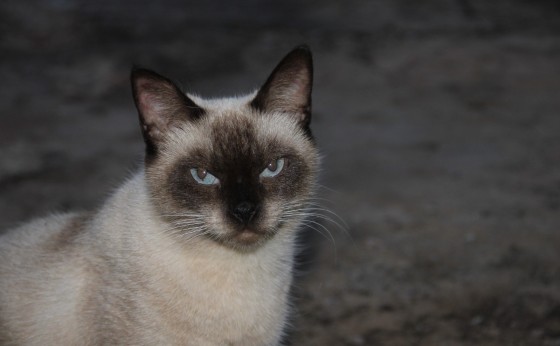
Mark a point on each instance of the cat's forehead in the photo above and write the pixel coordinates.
(231, 127)
(218, 105)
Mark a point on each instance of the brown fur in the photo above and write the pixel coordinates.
(69, 234)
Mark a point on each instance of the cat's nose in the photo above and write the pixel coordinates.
(244, 211)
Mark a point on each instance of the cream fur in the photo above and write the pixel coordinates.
(124, 282)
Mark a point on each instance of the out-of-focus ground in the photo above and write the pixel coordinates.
(438, 120)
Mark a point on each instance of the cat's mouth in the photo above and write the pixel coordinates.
(243, 236)
(247, 237)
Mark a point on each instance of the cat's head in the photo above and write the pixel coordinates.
(235, 170)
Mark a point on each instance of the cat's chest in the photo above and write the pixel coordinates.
(223, 302)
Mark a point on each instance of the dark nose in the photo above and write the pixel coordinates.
(244, 211)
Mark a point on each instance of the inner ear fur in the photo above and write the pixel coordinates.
(161, 105)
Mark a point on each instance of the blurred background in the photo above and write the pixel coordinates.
(438, 121)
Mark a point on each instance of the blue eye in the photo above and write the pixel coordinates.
(203, 177)
(273, 169)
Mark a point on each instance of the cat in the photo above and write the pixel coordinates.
(197, 247)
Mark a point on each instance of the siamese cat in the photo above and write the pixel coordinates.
(197, 247)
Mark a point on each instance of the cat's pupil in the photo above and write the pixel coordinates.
(201, 173)
(272, 166)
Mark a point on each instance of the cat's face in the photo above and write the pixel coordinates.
(234, 170)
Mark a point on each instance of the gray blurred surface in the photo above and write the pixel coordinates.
(438, 120)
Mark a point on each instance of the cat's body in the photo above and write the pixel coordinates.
(170, 258)
(112, 276)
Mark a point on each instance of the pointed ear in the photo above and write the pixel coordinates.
(288, 88)
(161, 105)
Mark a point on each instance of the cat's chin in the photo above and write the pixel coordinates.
(249, 236)
(247, 239)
